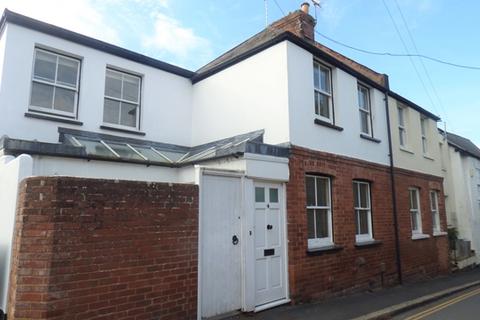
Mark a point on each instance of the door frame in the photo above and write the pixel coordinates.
(247, 245)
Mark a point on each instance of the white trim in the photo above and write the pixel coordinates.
(437, 226)
(419, 236)
(325, 241)
(367, 111)
(266, 158)
(418, 212)
(439, 233)
(271, 304)
(321, 65)
(369, 236)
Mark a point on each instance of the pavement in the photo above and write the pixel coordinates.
(381, 304)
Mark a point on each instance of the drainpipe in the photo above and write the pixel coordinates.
(392, 182)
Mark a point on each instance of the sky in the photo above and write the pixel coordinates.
(191, 33)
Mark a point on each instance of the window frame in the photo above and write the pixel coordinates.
(402, 127)
(321, 65)
(423, 131)
(325, 241)
(363, 237)
(418, 211)
(436, 224)
(121, 100)
(368, 112)
(76, 89)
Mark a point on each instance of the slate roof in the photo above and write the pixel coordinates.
(463, 144)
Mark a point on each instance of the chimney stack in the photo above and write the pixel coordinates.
(299, 22)
(305, 7)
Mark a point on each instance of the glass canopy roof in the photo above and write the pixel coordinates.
(150, 152)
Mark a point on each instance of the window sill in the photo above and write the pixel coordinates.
(133, 131)
(325, 249)
(328, 125)
(406, 150)
(52, 118)
(420, 236)
(369, 138)
(427, 157)
(369, 243)
(439, 233)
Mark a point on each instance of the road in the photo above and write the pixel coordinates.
(462, 306)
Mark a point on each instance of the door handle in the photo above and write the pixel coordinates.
(269, 227)
(235, 240)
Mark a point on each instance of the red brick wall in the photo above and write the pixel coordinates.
(426, 257)
(353, 268)
(101, 249)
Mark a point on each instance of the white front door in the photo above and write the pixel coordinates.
(220, 249)
(269, 244)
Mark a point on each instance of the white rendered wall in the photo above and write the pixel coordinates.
(304, 132)
(248, 96)
(166, 98)
(3, 40)
(411, 156)
(54, 166)
(12, 171)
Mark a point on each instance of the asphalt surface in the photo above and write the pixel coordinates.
(462, 306)
(356, 305)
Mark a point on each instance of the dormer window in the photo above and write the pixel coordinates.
(55, 83)
(322, 78)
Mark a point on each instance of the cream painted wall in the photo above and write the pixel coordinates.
(166, 113)
(248, 96)
(12, 172)
(303, 131)
(3, 40)
(411, 156)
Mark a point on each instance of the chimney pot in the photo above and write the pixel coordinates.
(305, 7)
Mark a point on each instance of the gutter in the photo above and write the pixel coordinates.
(392, 182)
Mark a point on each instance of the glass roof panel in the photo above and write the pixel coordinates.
(174, 156)
(124, 151)
(96, 148)
(150, 154)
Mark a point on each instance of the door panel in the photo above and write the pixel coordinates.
(269, 242)
(221, 275)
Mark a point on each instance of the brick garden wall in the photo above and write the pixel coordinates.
(313, 276)
(101, 249)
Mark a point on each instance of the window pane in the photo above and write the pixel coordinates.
(401, 120)
(321, 222)
(310, 188)
(113, 84)
(67, 72)
(273, 195)
(401, 134)
(259, 194)
(364, 196)
(316, 76)
(311, 224)
(131, 87)
(322, 105)
(42, 95)
(128, 115)
(323, 197)
(422, 125)
(414, 221)
(64, 100)
(45, 65)
(433, 202)
(96, 148)
(365, 122)
(363, 98)
(111, 111)
(325, 79)
(362, 222)
(436, 224)
(413, 199)
(356, 195)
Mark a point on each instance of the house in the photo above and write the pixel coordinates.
(461, 159)
(311, 179)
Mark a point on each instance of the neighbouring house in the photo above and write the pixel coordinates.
(281, 171)
(461, 159)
